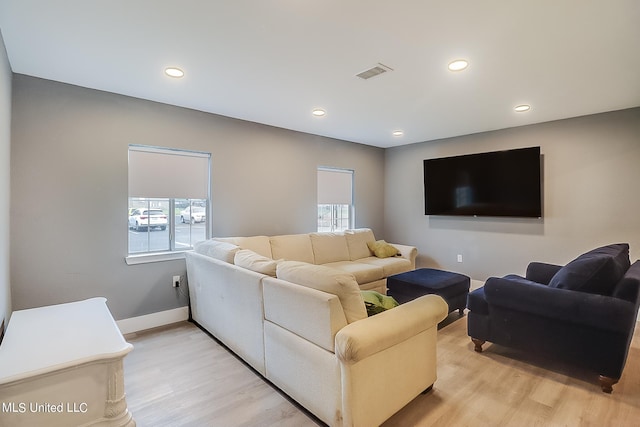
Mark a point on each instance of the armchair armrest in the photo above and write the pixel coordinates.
(363, 338)
(541, 272)
(593, 310)
(408, 252)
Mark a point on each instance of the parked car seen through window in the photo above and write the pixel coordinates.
(144, 219)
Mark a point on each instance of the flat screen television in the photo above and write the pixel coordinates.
(496, 184)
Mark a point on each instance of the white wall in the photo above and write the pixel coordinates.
(69, 189)
(591, 178)
(5, 138)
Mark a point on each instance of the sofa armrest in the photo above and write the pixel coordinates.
(541, 272)
(408, 252)
(361, 339)
(592, 310)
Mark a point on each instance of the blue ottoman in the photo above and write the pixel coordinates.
(452, 287)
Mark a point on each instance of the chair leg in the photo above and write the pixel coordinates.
(478, 344)
(606, 383)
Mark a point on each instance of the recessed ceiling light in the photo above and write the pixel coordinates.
(458, 65)
(522, 108)
(318, 112)
(174, 72)
(398, 133)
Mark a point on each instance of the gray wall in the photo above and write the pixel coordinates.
(69, 189)
(5, 138)
(591, 177)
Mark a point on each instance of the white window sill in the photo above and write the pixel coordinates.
(154, 257)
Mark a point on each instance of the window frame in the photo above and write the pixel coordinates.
(173, 252)
(335, 206)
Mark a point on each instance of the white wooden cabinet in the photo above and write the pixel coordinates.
(61, 365)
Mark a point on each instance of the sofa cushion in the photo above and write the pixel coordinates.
(382, 249)
(292, 247)
(223, 251)
(258, 244)
(364, 273)
(329, 247)
(357, 240)
(390, 266)
(225, 239)
(597, 271)
(253, 261)
(329, 280)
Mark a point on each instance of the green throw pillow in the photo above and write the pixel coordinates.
(376, 303)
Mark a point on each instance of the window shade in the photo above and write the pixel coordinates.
(164, 173)
(335, 187)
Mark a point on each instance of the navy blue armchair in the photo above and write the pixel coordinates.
(584, 312)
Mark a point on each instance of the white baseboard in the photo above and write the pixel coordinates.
(153, 320)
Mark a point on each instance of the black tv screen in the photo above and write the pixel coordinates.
(500, 183)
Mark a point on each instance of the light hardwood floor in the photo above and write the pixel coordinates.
(180, 376)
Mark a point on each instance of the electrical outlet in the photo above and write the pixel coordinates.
(176, 281)
(459, 257)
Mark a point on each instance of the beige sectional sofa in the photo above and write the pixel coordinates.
(346, 251)
(291, 307)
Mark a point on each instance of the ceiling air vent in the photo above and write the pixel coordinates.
(374, 71)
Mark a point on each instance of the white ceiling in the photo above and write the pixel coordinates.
(273, 61)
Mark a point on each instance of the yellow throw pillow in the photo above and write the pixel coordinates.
(382, 249)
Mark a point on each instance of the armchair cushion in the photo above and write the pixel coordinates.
(541, 272)
(596, 271)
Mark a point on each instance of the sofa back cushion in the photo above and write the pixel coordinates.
(597, 271)
(357, 240)
(223, 251)
(328, 280)
(258, 244)
(294, 247)
(329, 247)
(253, 261)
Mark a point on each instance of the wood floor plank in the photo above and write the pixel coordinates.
(180, 376)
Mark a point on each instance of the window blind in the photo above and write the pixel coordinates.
(164, 173)
(335, 186)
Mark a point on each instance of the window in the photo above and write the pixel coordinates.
(168, 200)
(335, 199)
